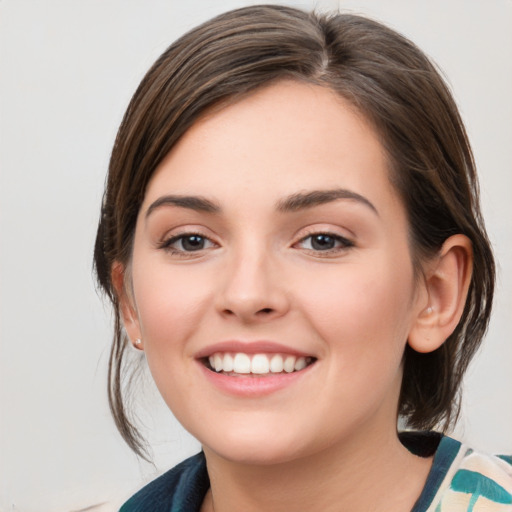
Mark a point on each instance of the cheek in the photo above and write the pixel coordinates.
(169, 303)
(364, 310)
(364, 323)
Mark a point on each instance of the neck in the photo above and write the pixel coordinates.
(380, 475)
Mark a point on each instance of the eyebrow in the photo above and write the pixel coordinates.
(196, 203)
(293, 203)
(304, 200)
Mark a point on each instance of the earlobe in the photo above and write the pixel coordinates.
(447, 284)
(127, 308)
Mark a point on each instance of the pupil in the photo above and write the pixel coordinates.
(193, 243)
(322, 242)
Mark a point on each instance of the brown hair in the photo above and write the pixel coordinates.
(383, 75)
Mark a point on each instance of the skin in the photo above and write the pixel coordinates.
(328, 441)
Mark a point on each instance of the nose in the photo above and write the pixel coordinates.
(253, 289)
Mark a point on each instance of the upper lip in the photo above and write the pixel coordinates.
(250, 347)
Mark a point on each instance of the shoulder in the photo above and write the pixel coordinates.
(463, 479)
(181, 489)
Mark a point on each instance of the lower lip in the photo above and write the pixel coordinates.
(253, 386)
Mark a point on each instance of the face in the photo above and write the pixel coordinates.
(271, 279)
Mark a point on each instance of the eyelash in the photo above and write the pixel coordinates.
(167, 244)
(343, 244)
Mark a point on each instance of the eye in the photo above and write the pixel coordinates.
(187, 242)
(324, 242)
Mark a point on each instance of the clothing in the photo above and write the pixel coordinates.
(461, 480)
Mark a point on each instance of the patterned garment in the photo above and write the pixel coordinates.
(461, 480)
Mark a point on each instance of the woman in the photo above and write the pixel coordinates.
(291, 232)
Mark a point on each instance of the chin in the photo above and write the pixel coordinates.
(256, 446)
(255, 455)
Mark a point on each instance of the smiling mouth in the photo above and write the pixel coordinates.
(242, 364)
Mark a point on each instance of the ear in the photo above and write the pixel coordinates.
(126, 302)
(447, 282)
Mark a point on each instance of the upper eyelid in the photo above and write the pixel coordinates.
(167, 240)
(321, 230)
(346, 245)
(186, 234)
(183, 231)
(336, 236)
(179, 231)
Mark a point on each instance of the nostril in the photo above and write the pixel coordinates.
(250, 312)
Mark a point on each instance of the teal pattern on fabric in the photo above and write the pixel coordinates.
(448, 449)
(506, 458)
(478, 485)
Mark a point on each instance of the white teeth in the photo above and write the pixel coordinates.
(258, 364)
(300, 364)
(276, 364)
(289, 364)
(228, 363)
(241, 363)
(218, 362)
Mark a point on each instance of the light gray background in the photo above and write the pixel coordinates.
(67, 71)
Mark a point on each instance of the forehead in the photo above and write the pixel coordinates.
(284, 138)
